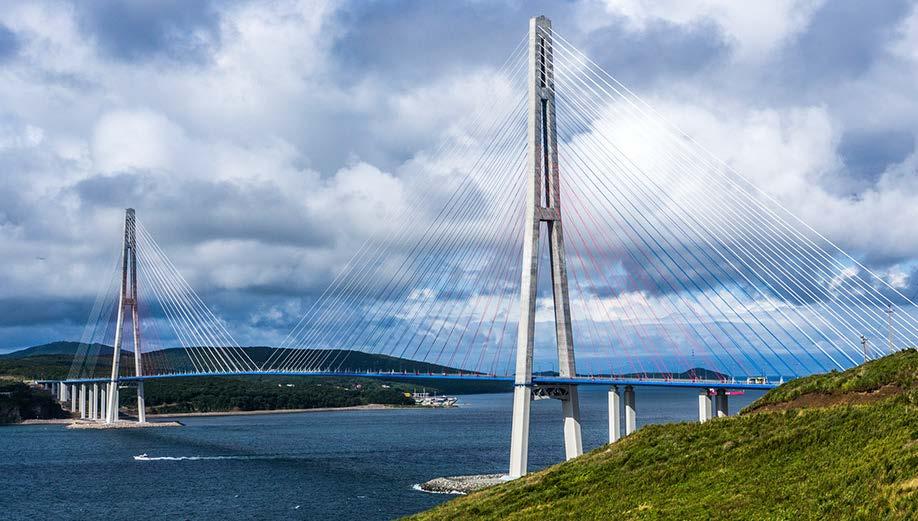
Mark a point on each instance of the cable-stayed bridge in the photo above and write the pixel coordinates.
(565, 234)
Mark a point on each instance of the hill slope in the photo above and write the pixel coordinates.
(61, 347)
(787, 457)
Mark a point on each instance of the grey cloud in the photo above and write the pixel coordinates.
(34, 311)
(138, 30)
(867, 154)
(9, 43)
(380, 39)
(189, 211)
(660, 51)
(845, 38)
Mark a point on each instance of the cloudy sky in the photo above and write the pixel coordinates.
(259, 141)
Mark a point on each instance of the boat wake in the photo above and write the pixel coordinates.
(144, 457)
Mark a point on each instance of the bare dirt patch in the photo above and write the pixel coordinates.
(830, 400)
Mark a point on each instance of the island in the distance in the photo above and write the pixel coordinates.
(53, 361)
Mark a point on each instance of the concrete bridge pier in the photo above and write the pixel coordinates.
(103, 411)
(112, 406)
(94, 402)
(615, 411)
(83, 400)
(570, 409)
(65, 393)
(630, 411)
(704, 406)
(74, 397)
(141, 403)
(720, 403)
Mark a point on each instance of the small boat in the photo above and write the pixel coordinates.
(142, 457)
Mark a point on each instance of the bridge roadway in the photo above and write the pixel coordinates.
(470, 377)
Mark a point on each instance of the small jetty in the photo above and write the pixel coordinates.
(121, 424)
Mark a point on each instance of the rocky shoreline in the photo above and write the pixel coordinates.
(462, 484)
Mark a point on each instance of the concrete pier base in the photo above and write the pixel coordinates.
(122, 424)
(615, 411)
(720, 403)
(704, 406)
(630, 411)
(519, 433)
(570, 409)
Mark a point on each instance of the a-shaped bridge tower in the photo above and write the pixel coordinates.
(543, 205)
(127, 305)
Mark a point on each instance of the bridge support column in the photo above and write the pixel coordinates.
(113, 404)
(630, 411)
(704, 406)
(103, 403)
(74, 397)
(615, 411)
(82, 401)
(519, 432)
(573, 438)
(720, 403)
(65, 394)
(141, 403)
(94, 402)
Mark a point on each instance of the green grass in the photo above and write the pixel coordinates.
(854, 461)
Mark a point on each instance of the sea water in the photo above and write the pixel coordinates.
(359, 464)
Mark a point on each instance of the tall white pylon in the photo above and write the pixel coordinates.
(543, 205)
(127, 302)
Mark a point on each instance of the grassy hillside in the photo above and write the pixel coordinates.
(835, 446)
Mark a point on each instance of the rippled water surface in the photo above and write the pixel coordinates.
(324, 465)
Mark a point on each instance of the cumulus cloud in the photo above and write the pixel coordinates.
(263, 143)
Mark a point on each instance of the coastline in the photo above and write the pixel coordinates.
(368, 407)
(54, 421)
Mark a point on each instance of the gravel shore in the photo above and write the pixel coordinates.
(462, 484)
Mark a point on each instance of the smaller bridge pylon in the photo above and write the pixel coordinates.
(127, 304)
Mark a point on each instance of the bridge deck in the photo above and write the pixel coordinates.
(542, 380)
